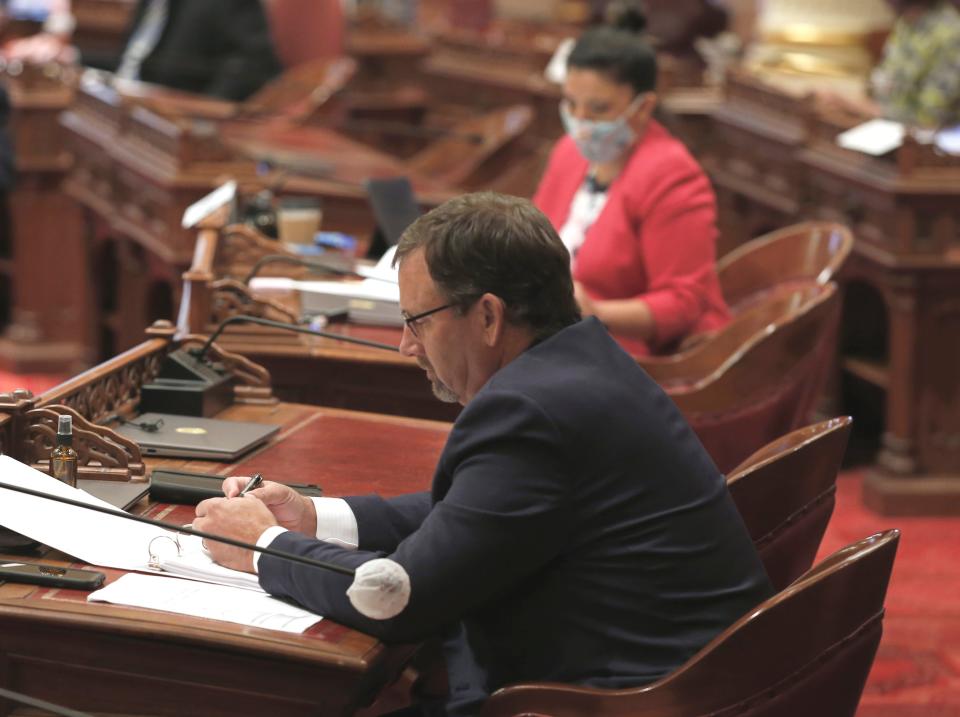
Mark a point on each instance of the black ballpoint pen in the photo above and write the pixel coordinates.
(251, 484)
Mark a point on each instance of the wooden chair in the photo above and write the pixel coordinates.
(811, 251)
(695, 363)
(475, 151)
(306, 30)
(805, 651)
(768, 387)
(785, 493)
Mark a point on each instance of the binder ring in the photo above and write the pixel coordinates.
(154, 562)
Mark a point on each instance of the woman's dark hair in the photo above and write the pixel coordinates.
(618, 49)
(488, 242)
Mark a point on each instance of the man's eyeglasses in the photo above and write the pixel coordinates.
(413, 321)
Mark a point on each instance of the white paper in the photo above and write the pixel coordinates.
(215, 602)
(105, 540)
(876, 137)
(194, 562)
(948, 140)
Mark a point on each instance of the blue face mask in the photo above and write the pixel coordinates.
(601, 141)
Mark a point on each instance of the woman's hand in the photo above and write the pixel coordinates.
(588, 306)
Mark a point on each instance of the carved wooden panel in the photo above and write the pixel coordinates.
(102, 453)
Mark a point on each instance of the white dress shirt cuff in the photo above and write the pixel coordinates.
(336, 523)
(266, 537)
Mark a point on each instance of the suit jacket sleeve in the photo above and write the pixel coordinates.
(383, 523)
(249, 59)
(503, 517)
(679, 238)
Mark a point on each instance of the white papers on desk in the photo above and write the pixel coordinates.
(215, 602)
(948, 140)
(876, 137)
(105, 540)
(195, 563)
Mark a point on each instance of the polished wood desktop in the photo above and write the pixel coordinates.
(133, 661)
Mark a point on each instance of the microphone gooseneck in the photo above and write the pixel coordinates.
(182, 529)
(295, 261)
(246, 319)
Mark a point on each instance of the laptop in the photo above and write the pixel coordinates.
(394, 207)
(193, 437)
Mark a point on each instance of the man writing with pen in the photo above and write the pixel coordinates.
(576, 530)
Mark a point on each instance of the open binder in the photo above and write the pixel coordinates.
(100, 539)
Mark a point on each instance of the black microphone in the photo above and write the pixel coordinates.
(23, 699)
(188, 384)
(380, 588)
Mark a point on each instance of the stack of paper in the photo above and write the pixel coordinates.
(112, 541)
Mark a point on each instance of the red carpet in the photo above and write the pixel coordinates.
(38, 383)
(917, 670)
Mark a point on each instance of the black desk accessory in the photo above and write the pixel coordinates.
(189, 384)
(189, 488)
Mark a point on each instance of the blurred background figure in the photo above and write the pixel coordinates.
(220, 48)
(918, 80)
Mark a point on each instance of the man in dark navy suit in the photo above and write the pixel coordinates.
(576, 530)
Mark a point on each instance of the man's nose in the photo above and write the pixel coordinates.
(409, 345)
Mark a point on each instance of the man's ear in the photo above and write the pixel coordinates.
(492, 315)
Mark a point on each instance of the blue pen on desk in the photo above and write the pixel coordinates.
(252, 483)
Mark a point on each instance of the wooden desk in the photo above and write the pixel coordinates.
(102, 26)
(778, 164)
(45, 332)
(136, 172)
(132, 661)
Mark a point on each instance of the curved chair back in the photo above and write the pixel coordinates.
(457, 159)
(786, 492)
(694, 364)
(810, 251)
(306, 30)
(805, 651)
(768, 387)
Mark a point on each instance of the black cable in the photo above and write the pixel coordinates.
(183, 529)
(245, 319)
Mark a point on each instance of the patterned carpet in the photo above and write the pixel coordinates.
(917, 670)
(38, 383)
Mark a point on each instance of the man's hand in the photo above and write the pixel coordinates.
(290, 509)
(238, 518)
(41, 48)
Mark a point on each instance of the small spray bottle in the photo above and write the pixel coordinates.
(63, 459)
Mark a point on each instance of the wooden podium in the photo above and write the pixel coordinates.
(50, 300)
(136, 170)
(779, 164)
(123, 660)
